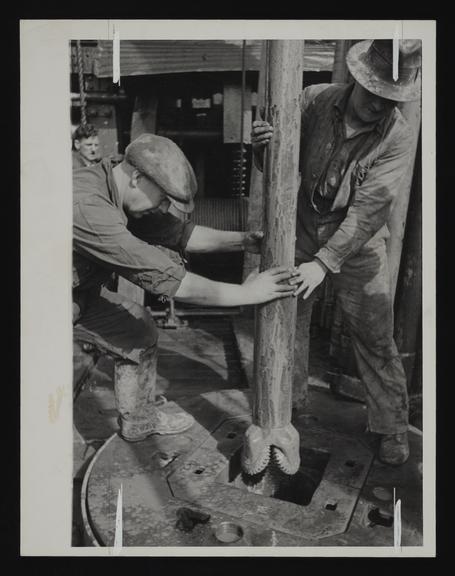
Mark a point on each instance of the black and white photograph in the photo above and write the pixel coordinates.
(239, 286)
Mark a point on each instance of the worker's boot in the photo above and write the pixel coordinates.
(140, 415)
(394, 449)
(158, 422)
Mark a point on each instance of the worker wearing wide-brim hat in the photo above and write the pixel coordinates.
(371, 65)
(355, 150)
(120, 223)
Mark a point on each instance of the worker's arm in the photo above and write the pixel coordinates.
(100, 235)
(367, 214)
(371, 205)
(162, 230)
(204, 239)
(256, 289)
(167, 230)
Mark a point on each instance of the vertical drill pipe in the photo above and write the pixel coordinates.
(275, 321)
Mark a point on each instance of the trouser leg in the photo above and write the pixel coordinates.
(126, 331)
(364, 292)
(135, 391)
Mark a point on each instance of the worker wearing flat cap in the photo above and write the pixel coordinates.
(355, 150)
(121, 224)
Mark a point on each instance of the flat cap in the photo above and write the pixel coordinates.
(161, 160)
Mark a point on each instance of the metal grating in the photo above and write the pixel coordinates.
(221, 213)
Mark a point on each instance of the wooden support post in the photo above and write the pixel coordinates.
(408, 300)
(340, 72)
(275, 321)
(144, 115)
(232, 102)
(397, 220)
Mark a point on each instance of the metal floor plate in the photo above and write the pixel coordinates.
(201, 480)
(162, 474)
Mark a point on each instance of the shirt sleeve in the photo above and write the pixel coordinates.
(163, 229)
(306, 99)
(309, 94)
(371, 205)
(100, 234)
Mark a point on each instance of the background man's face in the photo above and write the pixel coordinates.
(368, 107)
(146, 197)
(88, 148)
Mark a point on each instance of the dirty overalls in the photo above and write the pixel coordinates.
(345, 196)
(104, 242)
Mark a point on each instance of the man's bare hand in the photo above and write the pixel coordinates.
(261, 134)
(309, 276)
(268, 285)
(252, 241)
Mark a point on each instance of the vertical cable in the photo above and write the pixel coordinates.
(241, 174)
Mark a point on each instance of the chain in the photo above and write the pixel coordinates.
(80, 70)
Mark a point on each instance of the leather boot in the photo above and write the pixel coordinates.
(158, 422)
(135, 395)
(394, 449)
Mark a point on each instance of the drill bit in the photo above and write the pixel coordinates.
(260, 444)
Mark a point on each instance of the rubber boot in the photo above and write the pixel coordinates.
(394, 449)
(135, 391)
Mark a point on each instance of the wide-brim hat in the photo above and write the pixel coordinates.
(163, 162)
(371, 64)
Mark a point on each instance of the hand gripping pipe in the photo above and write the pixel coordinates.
(272, 433)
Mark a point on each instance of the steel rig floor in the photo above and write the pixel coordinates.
(188, 489)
